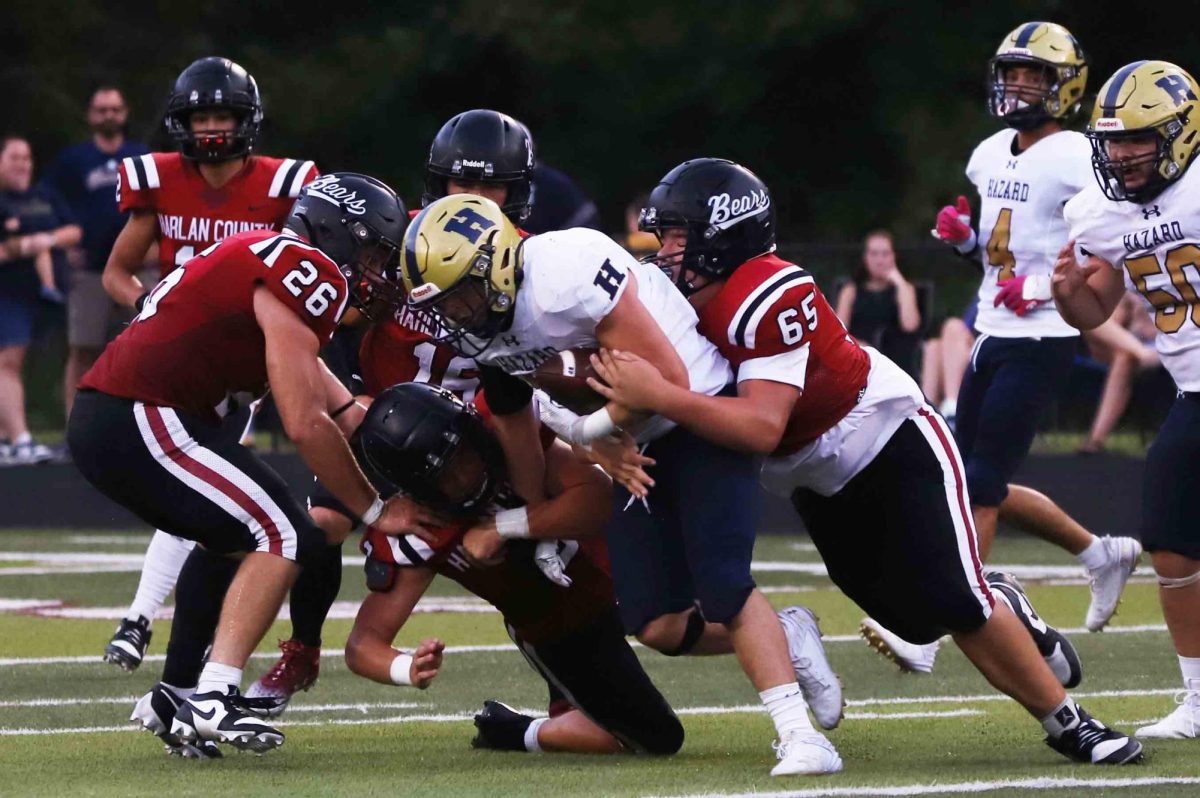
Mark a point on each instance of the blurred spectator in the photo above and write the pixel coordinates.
(35, 220)
(1126, 343)
(879, 306)
(638, 243)
(945, 361)
(85, 175)
(558, 204)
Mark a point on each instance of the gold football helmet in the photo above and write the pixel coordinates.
(1144, 100)
(461, 270)
(1051, 47)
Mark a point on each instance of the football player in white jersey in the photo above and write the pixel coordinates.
(1138, 227)
(681, 560)
(1023, 174)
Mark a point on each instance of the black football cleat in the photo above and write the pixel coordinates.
(128, 645)
(1052, 644)
(501, 727)
(1093, 743)
(225, 718)
(155, 711)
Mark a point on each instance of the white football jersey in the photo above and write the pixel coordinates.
(572, 280)
(1157, 248)
(1021, 226)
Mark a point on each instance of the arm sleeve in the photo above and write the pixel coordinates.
(505, 393)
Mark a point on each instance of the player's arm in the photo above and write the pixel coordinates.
(128, 257)
(753, 421)
(369, 651)
(1085, 295)
(518, 431)
(344, 408)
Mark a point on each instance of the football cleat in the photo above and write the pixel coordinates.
(1184, 722)
(909, 657)
(1109, 580)
(1052, 644)
(1093, 743)
(297, 669)
(501, 727)
(805, 753)
(128, 645)
(155, 711)
(820, 685)
(226, 718)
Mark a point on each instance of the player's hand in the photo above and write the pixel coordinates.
(622, 460)
(1024, 293)
(953, 224)
(403, 516)
(1069, 277)
(628, 379)
(482, 544)
(550, 563)
(427, 660)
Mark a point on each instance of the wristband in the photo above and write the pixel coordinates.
(968, 246)
(590, 428)
(513, 523)
(373, 512)
(343, 408)
(401, 670)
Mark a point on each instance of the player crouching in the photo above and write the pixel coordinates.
(422, 440)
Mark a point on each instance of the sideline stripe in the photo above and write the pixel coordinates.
(962, 787)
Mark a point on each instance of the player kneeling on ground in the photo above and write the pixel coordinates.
(424, 441)
(245, 315)
(869, 466)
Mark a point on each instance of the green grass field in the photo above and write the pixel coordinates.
(63, 713)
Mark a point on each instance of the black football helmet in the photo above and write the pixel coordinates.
(214, 82)
(359, 222)
(726, 210)
(413, 436)
(483, 146)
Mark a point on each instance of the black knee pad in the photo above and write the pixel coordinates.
(691, 634)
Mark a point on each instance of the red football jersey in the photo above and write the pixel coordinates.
(397, 350)
(771, 322)
(196, 345)
(192, 215)
(538, 609)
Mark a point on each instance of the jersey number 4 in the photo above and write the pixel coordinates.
(998, 253)
(300, 278)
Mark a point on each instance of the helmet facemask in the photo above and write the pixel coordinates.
(707, 252)
(471, 313)
(1111, 173)
(1025, 107)
(214, 146)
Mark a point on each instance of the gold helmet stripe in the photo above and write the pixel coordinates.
(1026, 34)
(1114, 89)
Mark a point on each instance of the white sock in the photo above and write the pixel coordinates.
(182, 693)
(1190, 668)
(22, 439)
(1095, 555)
(1064, 716)
(787, 708)
(216, 676)
(531, 736)
(164, 559)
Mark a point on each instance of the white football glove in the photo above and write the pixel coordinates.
(550, 563)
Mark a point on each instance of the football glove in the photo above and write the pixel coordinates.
(953, 226)
(550, 564)
(1023, 294)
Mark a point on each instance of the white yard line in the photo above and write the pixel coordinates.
(961, 788)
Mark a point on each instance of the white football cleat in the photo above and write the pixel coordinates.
(820, 685)
(225, 718)
(909, 657)
(1108, 581)
(1183, 723)
(805, 753)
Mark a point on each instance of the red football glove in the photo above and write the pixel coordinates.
(954, 223)
(1024, 293)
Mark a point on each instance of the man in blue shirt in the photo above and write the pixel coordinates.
(86, 175)
(34, 221)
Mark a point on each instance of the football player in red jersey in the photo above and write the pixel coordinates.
(872, 470)
(426, 442)
(186, 201)
(246, 315)
(480, 152)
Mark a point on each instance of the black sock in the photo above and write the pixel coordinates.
(314, 593)
(199, 594)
